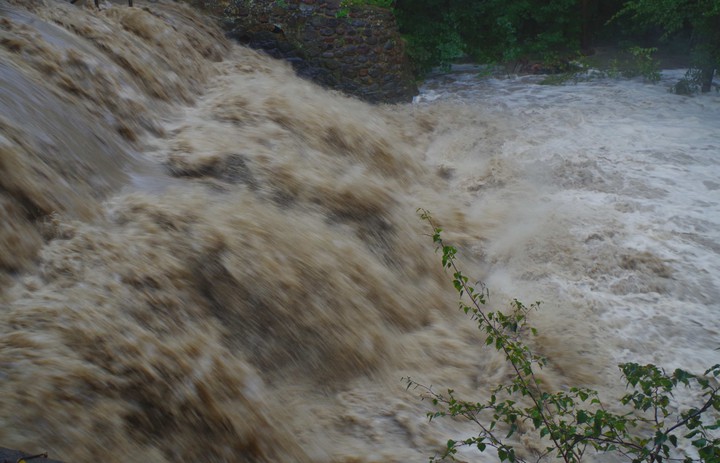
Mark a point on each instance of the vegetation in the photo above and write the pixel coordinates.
(699, 18)
(555, 33)
(552, 36)
(440, 31)
(574, 423)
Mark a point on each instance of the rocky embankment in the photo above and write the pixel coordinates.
(357, 50)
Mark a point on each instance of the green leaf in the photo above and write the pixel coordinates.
(582, 417)
(502, 454)
(660, 438)
(699, 443)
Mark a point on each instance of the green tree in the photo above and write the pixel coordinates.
(700, 17)
(440, 31)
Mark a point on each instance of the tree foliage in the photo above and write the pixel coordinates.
(439, 31)
(644, 426)
(700, 17)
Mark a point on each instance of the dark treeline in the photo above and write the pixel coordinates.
(552, 31)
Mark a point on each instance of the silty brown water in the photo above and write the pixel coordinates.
(204, 257)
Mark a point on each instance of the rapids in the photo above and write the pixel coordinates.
(203, 257)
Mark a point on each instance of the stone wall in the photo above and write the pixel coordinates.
(357, 50)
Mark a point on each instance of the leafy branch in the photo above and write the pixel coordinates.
(571, 422)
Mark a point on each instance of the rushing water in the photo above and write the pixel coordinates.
(609, 204)
(203, 257)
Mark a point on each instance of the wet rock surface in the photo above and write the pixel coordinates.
(356, 50)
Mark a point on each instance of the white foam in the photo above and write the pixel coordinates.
(612, 212)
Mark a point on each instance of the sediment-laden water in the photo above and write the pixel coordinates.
(205, 257)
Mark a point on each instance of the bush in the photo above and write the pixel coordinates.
(574, 422)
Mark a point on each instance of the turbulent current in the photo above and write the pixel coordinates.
(205, 258)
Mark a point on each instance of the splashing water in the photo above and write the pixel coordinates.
(205, 257)
(607, 194)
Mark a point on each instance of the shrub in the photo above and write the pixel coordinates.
(574, 422)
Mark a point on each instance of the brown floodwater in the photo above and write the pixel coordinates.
(203, 257)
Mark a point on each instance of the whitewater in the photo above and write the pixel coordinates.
(204, 257)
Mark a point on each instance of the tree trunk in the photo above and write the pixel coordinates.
(585, 25)
(706, 77)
